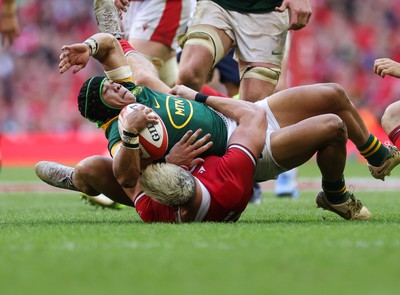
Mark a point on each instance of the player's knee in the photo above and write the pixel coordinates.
(206, 37)
(191, 77)
(270, 75)
(336, 97)
(336, 90)
(336, 128)
(87, 172)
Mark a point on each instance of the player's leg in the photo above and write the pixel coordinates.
(203, 48)
(154, 30)
(391, 122)
(292, 105)
(207, 40)
(261, 45)
(91, 176)
(325, 135)
(286, 184)
(107, 18)
(295, 104)
(258, 80)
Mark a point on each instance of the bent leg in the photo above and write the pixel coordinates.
(325, 135)
(199, 56)
(94, 175)
(259, 83)
(298, 103)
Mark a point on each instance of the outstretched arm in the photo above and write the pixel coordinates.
(108, 51)
(102, 46)
(386, 66)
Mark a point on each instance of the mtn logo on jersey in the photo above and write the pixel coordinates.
(180, 111)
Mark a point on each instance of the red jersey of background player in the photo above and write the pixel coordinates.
(226, 183)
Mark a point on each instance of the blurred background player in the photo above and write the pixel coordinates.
(9, 30)
(391, 118)
(9, 26)
(152, 27)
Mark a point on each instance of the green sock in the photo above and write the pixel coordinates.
(335, 192)
(373, 151)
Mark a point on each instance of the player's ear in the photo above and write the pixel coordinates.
(185, 167)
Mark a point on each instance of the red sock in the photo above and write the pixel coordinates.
(211, 91)
(394, 136)
(126, 47)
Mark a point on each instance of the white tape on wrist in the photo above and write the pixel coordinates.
(130, 140)
(93, 45)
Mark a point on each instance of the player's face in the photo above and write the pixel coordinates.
(116, 95)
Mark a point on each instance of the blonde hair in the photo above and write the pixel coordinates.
(168, 184)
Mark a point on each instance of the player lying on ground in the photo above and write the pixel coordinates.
(219, 188)
(101, 99)
(335, 100)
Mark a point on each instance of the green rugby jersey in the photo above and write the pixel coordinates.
(179, 115)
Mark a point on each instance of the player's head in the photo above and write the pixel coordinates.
(97, 106)
(168, 184)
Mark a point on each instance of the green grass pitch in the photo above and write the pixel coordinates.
(52, 243)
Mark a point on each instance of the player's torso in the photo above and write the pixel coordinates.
(180, 115)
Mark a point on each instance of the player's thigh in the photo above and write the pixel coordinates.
(258, 85)
(294, 104)
(152, 48)
(260, 37)
(294, 145)
(158, 21)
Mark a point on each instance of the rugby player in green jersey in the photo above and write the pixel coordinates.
(282, 111)
(101, 98)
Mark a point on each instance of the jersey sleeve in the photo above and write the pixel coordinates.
(152, 211)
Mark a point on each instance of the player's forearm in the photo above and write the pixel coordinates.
(235, 109)
(107, 50)
(126, 167)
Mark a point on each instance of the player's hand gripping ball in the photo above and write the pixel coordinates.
(153, 140)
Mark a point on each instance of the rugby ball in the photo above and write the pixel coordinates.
(153, 140)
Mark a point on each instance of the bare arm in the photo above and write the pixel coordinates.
(127, 161)
(145, 73)
(77, 55)
(251, 119)
(111, 56)
(386, 66)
